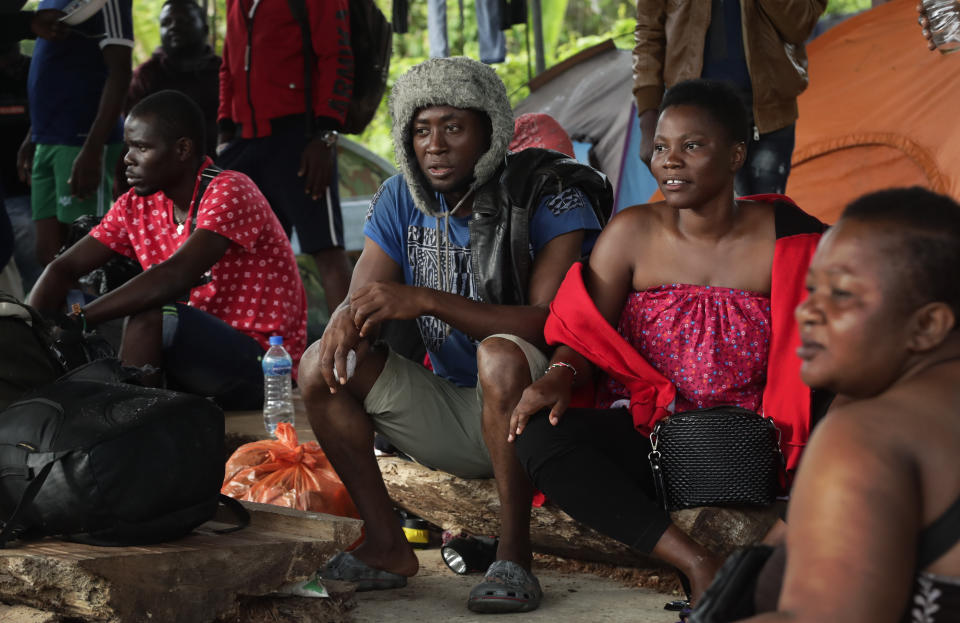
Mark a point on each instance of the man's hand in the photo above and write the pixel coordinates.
(316, 167)
(339, 338)
(86, 172)
(46, 23)
(385, 300)
(648, 127)
(25, 160)
(551, 391)
(224, 137)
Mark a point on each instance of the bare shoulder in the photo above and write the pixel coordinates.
(640, 220)
(861, 443)
(759, 216)
(862, 423)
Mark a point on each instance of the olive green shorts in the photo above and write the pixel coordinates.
(50, 192)
(434, 421)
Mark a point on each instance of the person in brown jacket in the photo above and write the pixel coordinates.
(758, 45)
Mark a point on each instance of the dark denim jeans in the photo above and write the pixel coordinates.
(768, 163)
(204, 355)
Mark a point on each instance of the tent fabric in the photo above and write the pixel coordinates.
(879, 113)
(590, 95)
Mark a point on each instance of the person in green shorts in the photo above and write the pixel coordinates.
(76, 87)
(51, 195)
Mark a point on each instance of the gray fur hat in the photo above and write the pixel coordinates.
(460, 82)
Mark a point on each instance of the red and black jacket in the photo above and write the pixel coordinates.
(262, 74)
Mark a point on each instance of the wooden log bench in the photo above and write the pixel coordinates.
(200, 578)
(472, 506)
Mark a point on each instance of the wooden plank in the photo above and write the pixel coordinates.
(24, 614)
(250, 423)
(291, 522)
(195, 579)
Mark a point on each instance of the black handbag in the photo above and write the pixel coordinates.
(718, 456)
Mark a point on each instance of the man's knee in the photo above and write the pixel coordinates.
(370, 362)
(312, 385)
(147, 320)
(502, 367)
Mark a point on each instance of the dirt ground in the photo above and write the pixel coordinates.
(573, 593)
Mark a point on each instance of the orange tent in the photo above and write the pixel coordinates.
(881, 111)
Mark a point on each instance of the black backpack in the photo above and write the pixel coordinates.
(94, 460)
(26, 358)
(371, 40)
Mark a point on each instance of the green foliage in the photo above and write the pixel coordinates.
(569, 27)
(847, 6)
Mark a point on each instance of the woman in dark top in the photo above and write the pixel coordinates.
(874, 521)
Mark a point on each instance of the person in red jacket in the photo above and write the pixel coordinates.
(684, 304)
(266, 131)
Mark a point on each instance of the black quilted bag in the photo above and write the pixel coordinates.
(719, 456)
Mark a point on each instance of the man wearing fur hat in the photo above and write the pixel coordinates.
(472, 242)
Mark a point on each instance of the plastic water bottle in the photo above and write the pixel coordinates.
(944, 18)
(277, 387)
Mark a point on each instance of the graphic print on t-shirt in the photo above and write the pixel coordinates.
(425, 259)
(568, 199)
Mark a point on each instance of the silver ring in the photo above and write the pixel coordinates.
(920, 20)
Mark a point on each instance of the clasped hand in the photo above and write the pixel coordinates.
(369, 306)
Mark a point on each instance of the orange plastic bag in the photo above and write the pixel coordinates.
(282, 472)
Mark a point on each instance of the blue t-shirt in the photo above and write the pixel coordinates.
(67, 77)
(410, 238)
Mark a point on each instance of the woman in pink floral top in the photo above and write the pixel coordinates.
(687, 283)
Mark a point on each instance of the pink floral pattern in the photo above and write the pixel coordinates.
(711, 343)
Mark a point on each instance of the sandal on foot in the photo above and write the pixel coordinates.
(345, 567)
(506, 587)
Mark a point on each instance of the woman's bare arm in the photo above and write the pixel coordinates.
(852, 525)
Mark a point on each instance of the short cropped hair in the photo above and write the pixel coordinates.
(718, 99)
(174, 116)
(193, 5)
(924, 228)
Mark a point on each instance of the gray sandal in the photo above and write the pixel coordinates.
(506, 587)
(344, 567)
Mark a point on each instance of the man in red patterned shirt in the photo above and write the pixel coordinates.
(219, 278)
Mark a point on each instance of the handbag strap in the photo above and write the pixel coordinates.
(240, 514)
(654, 457)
